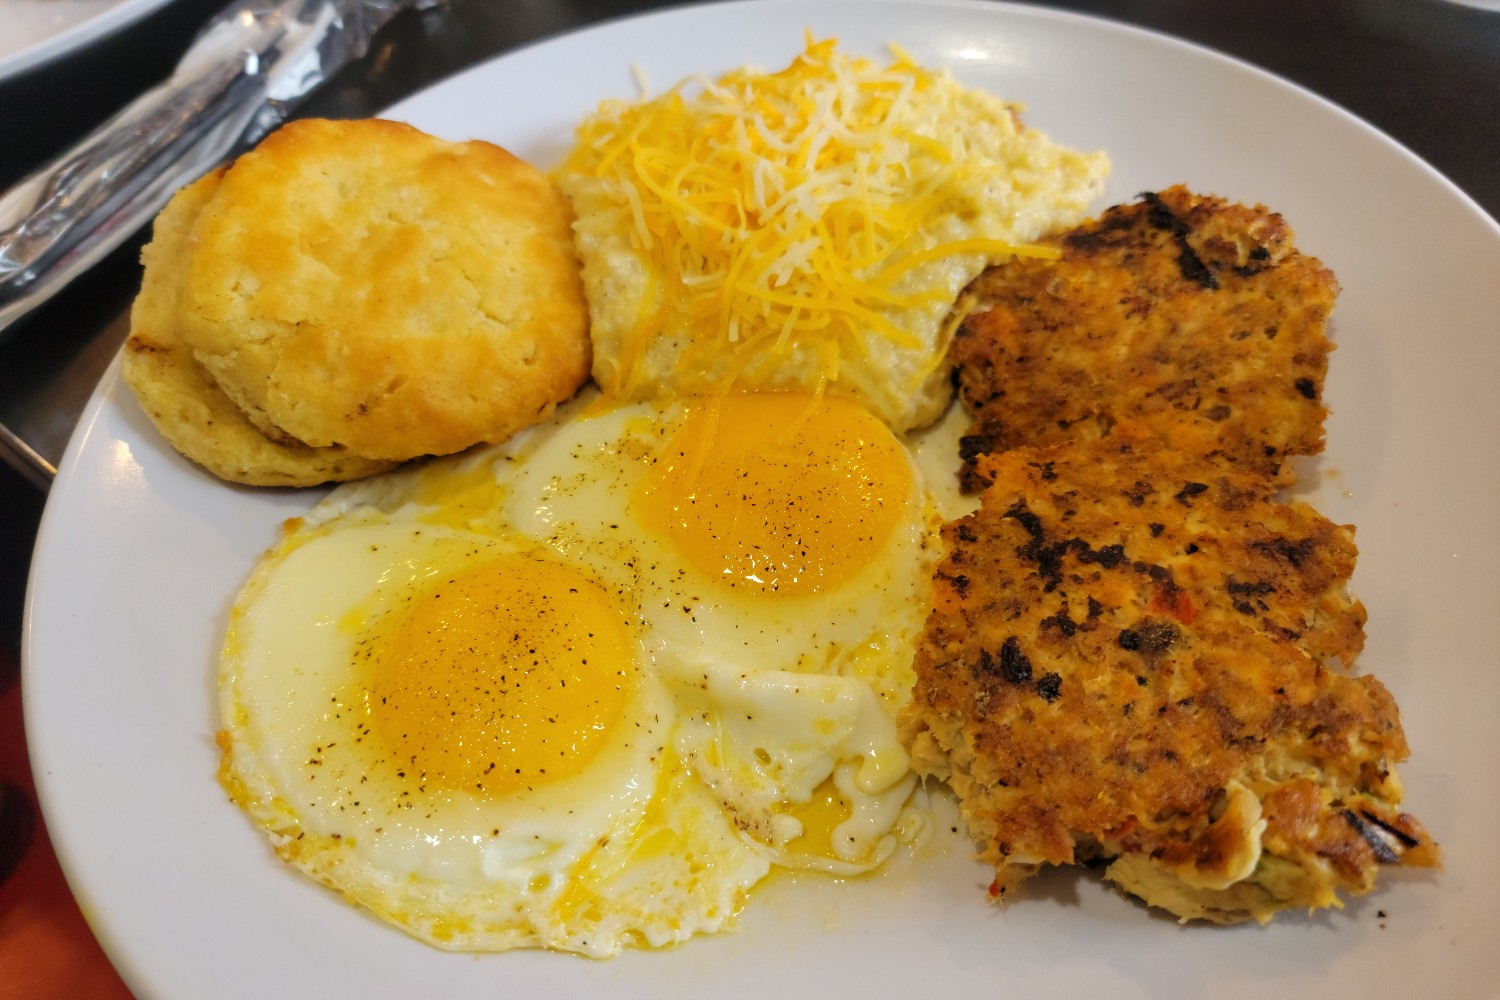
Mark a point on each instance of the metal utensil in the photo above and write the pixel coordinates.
(249, 67)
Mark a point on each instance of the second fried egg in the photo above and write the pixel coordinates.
(778, 547)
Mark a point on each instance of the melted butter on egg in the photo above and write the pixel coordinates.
(824, 811)
(783, 493)
(465, 494)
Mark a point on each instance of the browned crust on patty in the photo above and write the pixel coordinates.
(1126, 660)
(1184, 312)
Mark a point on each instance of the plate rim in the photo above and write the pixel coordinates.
(110, 382)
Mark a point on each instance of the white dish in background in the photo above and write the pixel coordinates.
(34, 32)
(140, 555)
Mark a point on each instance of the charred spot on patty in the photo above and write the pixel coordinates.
(1148, 317)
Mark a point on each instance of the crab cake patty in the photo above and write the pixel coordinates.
(184, 403)
(1126, 662)
(1188, 313)
(365, 285)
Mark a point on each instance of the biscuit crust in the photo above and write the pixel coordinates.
(180, 397)
(1182, 311)
(364, 285)
(1128, 661)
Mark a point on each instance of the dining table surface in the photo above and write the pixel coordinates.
(1425, 72)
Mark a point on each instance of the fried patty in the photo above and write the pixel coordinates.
(1185, 312)
(1128, 660)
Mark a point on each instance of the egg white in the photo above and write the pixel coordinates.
(777, 694)
(753, 719)
(460, 869)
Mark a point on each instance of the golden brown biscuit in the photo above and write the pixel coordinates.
(181, 399)
(363, 284)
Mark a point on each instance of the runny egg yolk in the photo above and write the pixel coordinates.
(505, 676)
(783, 493)
(820, 816)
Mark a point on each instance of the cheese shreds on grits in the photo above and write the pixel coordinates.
(1185, 312)
(806, 229)
(584, 690)
(1127, 661)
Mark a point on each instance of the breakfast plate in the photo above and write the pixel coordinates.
(34, 32)
(140, 555)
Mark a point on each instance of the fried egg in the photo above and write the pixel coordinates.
(583, 690)
(779, 547)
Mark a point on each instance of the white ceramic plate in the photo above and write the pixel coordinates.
(33, 32)
(140, 555)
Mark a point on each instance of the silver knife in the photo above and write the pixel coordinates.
(243, 75)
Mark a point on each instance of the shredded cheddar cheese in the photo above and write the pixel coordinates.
(804, 229)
